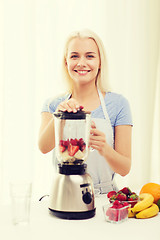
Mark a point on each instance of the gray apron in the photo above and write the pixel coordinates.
(98, 168)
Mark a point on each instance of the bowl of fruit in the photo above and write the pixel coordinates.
(116, 212)
(123, 195)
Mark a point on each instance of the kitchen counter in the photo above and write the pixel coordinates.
(45, 226)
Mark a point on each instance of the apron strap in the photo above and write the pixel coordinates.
(106, 114)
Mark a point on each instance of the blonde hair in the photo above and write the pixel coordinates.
(102, 77)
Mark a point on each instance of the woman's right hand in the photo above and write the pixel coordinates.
(70, 105)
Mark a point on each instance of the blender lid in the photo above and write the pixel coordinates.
(71, 115)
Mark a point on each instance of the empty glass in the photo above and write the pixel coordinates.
(20, 193)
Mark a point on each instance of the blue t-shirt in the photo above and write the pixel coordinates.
(117, 106)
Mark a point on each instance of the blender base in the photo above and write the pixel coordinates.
(73, 215)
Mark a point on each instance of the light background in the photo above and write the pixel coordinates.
(33, 34)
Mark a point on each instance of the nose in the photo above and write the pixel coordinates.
(81, 62)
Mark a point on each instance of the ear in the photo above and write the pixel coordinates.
(66, 62)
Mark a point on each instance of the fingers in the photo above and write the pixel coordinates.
(97, 139)
(97, 143)
(70, 105)
(93, 125)
(95, 132)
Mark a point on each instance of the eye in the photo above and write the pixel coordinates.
(90, 56)
(74, 56)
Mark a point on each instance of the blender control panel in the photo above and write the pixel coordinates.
(86, 193)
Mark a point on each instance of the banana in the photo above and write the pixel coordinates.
(130, 213)
(148, 212)
(146, 200)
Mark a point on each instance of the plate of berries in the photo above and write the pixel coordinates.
(123, 195)
(116, 212)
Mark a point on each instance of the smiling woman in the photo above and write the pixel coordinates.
(83, 60)
(110, 135)
(32, 36)
(92, 52)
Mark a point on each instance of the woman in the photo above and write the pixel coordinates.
(85, 70)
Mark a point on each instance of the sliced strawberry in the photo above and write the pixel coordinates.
(82, 148)
(66, 143)
(74, 142)
(72, 150)
(62, 148)
(81, 142)
(61, 142)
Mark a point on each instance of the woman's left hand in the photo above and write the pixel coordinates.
(97, 140)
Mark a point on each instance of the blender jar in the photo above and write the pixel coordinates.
(72, 132)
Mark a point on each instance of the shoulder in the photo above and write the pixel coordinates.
(114, 97)
(116, 100)
(51, 104)
(118, 108)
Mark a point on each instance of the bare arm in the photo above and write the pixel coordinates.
(119, 158)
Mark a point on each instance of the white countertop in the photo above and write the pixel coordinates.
(45, 226)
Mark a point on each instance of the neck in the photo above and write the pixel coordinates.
(82, 93)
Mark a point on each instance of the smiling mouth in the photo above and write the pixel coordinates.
(82, 72)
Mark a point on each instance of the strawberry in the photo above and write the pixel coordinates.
(61, 142)
(66, 143)
(123, 213)
(125, 204)
(118, 211)
(112, 198)
(126, 190)
(81, 144)
(72, 149)
(82, 148)
(111, 193)
(108, 212)
(62, 148)
(116, 203)
(74, 142)
(121, 197)
(133, 197)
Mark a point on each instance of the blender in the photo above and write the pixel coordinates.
(72, 192)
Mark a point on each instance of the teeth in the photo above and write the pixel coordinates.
(83, 71)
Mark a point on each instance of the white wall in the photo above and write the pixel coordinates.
(33, 35)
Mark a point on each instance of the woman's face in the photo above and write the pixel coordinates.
(83, 60)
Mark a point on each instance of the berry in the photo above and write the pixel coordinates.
(116, 203)
(126, 190)
(111, 193)
(62, 148)
(74, 142)
(73, 149)
(66, 143)
(125, 204)
(118, 211)
(133, 197)
(121, 197)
